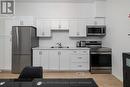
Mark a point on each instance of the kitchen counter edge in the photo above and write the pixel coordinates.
(43, 48)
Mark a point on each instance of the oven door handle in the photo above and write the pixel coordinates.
(100, 53)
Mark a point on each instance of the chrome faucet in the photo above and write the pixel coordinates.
(59, 45)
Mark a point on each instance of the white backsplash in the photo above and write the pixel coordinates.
(62, 37)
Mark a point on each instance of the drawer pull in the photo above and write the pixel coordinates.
(84, 51)
(42, 33)
(40, 52)
(75, 51)
(79, 57)
(79, 65)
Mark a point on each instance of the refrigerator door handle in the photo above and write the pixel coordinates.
(17, 36)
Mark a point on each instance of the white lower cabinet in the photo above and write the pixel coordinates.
(44, 59)
(36, 58)
(40, 58)
(65, 60)
(54, 59)
(79, 60)
(58, 59)
(62, 60)
(79, 66)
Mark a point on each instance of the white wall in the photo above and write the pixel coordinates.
(55, 10)
(118, 27)
(5, 46)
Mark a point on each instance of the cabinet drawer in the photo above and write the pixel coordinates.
(79, 58)
(80, 52)
(79, 66)
(84, 52)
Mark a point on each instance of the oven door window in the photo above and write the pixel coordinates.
(95, 30)
(101, 60)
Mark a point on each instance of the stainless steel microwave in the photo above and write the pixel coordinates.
(96, 30)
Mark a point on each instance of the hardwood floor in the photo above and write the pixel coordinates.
(103, 80)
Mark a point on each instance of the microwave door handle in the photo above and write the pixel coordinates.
(102, 30)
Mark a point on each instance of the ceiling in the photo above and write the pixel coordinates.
(73, 1)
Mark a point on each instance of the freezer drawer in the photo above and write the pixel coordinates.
(19, 62)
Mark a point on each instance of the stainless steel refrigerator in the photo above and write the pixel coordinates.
(23, 40)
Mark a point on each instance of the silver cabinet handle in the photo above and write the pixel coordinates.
(75, 51)
(42, 33)
(79, 57)
(59, 53)
(84, 51)
(78, 33)
(79, 65)
(40, 52)
(21, 22)
(59, 26)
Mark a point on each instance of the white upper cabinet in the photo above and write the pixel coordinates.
(77, 28)
(43, 28)
(100, 8)
(24, 21)
(99, 21)
(59, 25)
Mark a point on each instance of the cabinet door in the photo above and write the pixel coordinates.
(82, 28)
(77, 28)
(59, 25)
(54, 63)
(64, 25)
(43, 28)
(24, 21)
(44, 59)
(73, 28)
(100, 21)
(65, 60)
(37, 54)
(55, 24)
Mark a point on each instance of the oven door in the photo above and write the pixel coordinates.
(100, 60)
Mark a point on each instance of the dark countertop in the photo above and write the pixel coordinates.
(86, 82)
